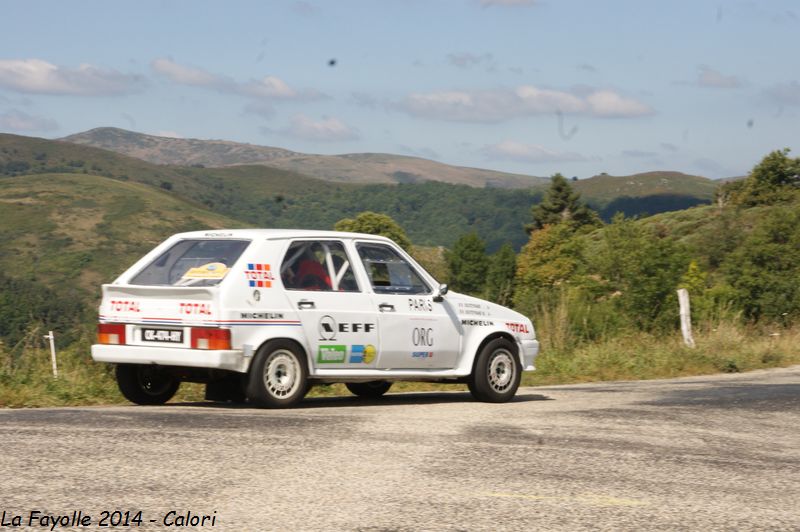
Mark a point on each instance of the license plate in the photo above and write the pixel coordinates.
(168, 336)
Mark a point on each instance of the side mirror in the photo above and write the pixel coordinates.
(439, 293)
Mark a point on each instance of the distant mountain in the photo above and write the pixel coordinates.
(433, 213)
(645, 194)
(350, 168)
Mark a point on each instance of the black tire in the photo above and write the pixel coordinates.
(146, 384)
(369, 390)
(278, 376)
(496, 373)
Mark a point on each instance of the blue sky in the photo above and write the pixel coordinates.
(527, 86)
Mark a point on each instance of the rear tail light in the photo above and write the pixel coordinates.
(111, 333)
(208, 338)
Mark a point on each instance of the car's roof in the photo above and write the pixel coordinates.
(267, 234)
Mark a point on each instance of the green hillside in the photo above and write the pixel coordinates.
(645, 194)
(433, 213)
(75, 231)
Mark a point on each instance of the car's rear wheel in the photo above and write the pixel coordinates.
(370, 390)
(146, 384)
(278, 376)
(496, 373)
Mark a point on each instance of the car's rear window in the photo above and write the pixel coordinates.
(192, 263)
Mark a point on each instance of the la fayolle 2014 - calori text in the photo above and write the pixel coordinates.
(107, 519)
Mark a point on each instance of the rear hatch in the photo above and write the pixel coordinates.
(173, 297)
(159, 315)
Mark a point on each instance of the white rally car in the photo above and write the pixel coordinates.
(262, 314)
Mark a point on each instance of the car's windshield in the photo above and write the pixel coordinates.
(192, 263)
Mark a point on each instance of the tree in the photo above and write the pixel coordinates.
(468, 264)
(550, 258)
(562, 204)
(765, 268)
(641, 270)
(374, 223)
(500, 275)
(773, 179)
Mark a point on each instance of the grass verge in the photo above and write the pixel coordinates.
(26, 377)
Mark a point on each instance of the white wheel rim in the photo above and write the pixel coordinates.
(501, 370)
(281, 374)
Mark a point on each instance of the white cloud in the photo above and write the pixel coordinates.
(327, 129)
(609, 104)
(504, 104)
(510, 150)
(35, 76)
(708, 77)
(15, 120)
(187, 75)
(785, 93)
(269, 87)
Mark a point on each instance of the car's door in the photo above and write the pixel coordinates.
(338, 318)
(415, 330)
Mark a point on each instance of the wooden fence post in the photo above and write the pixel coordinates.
(686, 317)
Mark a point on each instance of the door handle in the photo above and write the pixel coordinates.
(386, 307)
(304, 303)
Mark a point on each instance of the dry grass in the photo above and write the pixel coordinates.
(26, 379)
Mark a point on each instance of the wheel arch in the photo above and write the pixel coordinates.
(298, 344)
(494, 336)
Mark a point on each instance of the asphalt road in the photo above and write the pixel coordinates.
(704, 453)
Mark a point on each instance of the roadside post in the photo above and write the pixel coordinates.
(686, 317)
(52, 352)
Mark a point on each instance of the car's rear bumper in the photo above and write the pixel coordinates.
(231, 360)
(530, 348)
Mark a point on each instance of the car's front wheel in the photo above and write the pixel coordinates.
(278, 376)
(146, 384)
(369, 390)
(496, 373)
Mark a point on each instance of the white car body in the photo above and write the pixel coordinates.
(359, 335)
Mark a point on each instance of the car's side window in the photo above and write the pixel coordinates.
(388, 272)
(318, 265)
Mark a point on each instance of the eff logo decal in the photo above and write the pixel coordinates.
(259, 275)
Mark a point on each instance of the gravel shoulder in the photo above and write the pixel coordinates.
(711, 452)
